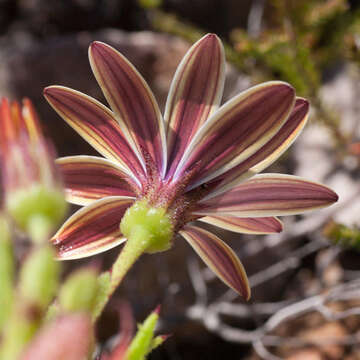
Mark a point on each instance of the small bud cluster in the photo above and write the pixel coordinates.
(32, 185)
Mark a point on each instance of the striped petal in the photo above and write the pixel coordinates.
(268, 153)
(92, 230)
(89, 178)
(237, 130)
(96, 124)
(260, 225)
(132, 101)
(219, 257)
(195, 93)
(269, 195)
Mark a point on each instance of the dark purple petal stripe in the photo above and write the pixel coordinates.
(268, 153)
(131, 99)
(219, 257)
(269, 195)
(237, 130)
(260, 225)
(96, 124)
(194, 95)
(89, 178)
(92, 229)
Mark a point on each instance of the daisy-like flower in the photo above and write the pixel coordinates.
(198, 162)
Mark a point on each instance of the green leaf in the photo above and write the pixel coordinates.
(142, 343)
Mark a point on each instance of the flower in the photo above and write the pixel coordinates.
(198, 163)
(32, 184)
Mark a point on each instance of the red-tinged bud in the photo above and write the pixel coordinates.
(31, 182)
(67, 338)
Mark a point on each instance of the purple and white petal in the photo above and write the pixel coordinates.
(269, 195)
(97, 125)
(268, 153)
(93, 229)
(194, 95)
(89, 178)
(237, 130)
(260, 225)
(131, 100)
(219, 257)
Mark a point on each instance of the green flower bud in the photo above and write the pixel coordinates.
(39, 277)
(79, 291)
(37, 210)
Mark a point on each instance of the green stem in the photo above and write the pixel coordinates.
(7, 272)
(148, 229)
(137, 243)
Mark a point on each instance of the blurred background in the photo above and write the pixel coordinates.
(305, 281)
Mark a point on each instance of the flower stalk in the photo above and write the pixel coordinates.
(110, 280)
(133, 249)
(148, 229)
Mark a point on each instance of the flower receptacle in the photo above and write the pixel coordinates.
(148, 229)
(150, 226)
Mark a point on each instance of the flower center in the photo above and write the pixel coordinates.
(150, 226)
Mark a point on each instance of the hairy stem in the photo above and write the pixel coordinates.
(135, 246)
